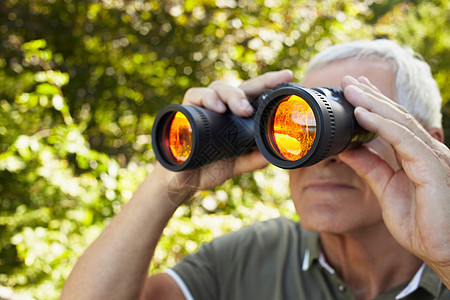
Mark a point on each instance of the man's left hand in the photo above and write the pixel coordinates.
(415, 198)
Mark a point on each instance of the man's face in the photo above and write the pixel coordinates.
(330, 196)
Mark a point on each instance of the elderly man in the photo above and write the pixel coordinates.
(373, 221)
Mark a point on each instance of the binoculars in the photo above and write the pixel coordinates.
(292, 126)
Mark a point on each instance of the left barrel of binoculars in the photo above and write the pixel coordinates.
(187, 137)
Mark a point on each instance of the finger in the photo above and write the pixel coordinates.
(372, 100)
(369, 166)
(362, 95)
(250, 162)
(255, 86)
(219, 171)
(204, 97)
(417, 158)
(366, 86)
(234, 97)
(364, 80)
(383, 181)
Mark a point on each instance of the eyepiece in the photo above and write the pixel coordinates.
(292, 128)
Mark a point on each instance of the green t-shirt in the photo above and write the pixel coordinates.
(278, 259)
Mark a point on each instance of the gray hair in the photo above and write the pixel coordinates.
(415, 87)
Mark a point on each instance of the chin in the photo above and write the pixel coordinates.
(335, 213)
(318, 225)
(333, 222)
(324, 216)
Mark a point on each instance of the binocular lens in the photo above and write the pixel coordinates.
(293, 128)
(180, 137)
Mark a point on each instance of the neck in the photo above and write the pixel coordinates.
(369, 261)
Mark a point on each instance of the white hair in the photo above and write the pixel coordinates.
(415, 87)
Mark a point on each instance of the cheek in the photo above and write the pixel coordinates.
(296, 185)
(296, 179)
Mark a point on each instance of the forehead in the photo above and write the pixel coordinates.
(380, 73)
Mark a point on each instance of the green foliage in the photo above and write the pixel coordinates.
(81, 82)
(424, 28)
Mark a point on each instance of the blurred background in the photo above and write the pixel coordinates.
(81, 82)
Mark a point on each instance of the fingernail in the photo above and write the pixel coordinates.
(363, 78)
(289, 71)
(361, 110)
(352, 79)
(355, 88)
(220, 106)
(245, 106)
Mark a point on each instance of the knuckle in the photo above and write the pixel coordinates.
(189, 94)
(216, 83)
(269, 76)
(191, 91)
(240, 93)
(271, 73)
(197, 95)
(401, 108)
(410, 121)
(226, 90)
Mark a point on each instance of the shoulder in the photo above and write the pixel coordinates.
(261, 241)
(263, 252)
(258, 239)
(265, 232)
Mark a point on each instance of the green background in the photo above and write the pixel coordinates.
(81, 82)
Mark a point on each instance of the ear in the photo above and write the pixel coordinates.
(437, 133)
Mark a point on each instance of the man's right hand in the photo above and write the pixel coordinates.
(216, 97)
(116, 264)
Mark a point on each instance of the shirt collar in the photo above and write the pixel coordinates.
(413, 284)
(311, 249)
(312, 253)
(424, 277)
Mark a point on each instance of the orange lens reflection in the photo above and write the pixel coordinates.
(180, 137)
(294, 128)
